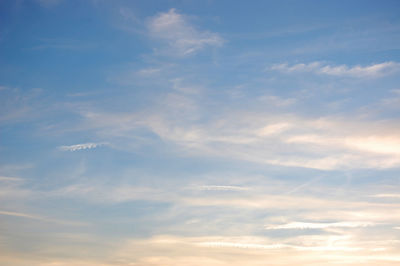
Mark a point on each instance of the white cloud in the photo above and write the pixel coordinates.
(222, 188)
(100, 193)
(19, 105)
(19, 214)
(347, 238)
(10, 179)
(289, 140)
(371, 71)
(182, 117)
(277, 101)
(181, 37)
(386, 196)
(40, 218)
(376, 144)
(249, 250)
(148, 71)
(273, 129)
(82, 146)
(278, 246)
(303, 225)
(241, 245)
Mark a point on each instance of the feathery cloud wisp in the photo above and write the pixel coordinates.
(371, 71)
(302, 225)
(222, 188)
(10, 179)
(181, 37)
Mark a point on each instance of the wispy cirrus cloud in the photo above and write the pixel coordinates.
(10, 179)
(358, 71)
(83, 146)
(41, 218)
(101, 193)
(324, 143)
(253, 250)
(306, 225)
(386, 196)
(19, 214)
(255, 134)
(181, 37)
(18, 105)
(222, 188)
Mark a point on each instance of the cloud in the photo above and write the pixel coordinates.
(44, 219)
(277, 101)
(18, 214)
(182, 117)
(82, 146)
(386, 196)
(325, 143)
(376, 144)
(250, 250)
(278, 246)
(273, 129)
(222, 188)
(10, 179)
(270, 201)
(353, 238)
(371, 71)
(303, 225)
(181, 37)
(17, 105)
(148, 71)
(128, 14)
(197, 124)
(333, 145)
(241, 245)
(100, 193)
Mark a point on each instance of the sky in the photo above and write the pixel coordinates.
(192, 133)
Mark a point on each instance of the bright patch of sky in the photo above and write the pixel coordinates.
(193, 133)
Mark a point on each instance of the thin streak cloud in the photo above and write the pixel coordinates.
(10, 179)
(83, 146)
(358, 71)
(304, 225)
(386, 196)
(41, 218)
(19, 214)
(180, 133)
(241, 245)
(222, 188)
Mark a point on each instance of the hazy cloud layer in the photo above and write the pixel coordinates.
(174, 134)
(325, 143)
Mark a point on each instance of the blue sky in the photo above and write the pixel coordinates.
(199, 132)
